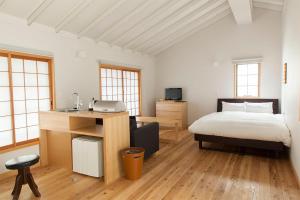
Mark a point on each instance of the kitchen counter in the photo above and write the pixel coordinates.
(59, 128)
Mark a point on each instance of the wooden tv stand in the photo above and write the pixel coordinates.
(58, 129)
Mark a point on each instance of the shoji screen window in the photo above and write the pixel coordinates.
(112, 84)
(131, 92)
(121, 84)
(247, 80)
(31, 92)
(6, 129)
(25, 89)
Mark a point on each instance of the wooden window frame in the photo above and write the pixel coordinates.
(122, 68)
(20, 55)
(235, 82)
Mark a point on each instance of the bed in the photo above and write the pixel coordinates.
(244, 129)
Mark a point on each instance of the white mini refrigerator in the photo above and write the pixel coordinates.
(88, 156)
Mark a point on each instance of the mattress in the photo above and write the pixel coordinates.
(244, 125)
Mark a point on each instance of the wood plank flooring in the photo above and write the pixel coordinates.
(178, 171)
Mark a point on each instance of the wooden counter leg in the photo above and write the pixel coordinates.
(43, 148)
(117, 138)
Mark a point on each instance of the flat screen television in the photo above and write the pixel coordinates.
(173, 94)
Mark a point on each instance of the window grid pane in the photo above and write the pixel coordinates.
(6, 138)
(3, 64)
(29, 77)
(247, 82)
(121, 85)
(6, 133)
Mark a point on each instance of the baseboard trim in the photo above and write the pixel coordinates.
(8, 174)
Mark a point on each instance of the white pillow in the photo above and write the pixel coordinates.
(239, 107)
(259, 107)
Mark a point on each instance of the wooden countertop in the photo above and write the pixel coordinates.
(80, 123)
(88, 114)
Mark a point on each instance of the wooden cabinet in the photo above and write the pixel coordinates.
(58, 129)
(173, 110)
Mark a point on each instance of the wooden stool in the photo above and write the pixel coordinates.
(22, 164)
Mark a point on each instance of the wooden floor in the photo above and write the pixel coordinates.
(177, 171)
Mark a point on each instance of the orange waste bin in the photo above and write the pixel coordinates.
(133, 159)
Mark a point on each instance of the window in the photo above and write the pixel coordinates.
(121, 84)
(25, 89)
(247, 80)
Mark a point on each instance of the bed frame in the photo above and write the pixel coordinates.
(258, 144)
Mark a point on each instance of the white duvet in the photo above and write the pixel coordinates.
(244, 125)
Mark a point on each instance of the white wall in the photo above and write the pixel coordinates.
(290, 91)
(72, 73)
(189, 64)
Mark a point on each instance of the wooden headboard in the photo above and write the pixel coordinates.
(275, 103)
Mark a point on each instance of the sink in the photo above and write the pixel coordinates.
(67, 110)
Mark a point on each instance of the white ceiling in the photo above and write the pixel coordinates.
(147, 26)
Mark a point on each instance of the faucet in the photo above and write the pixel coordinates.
(77, 104)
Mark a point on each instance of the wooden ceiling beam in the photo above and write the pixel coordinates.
(112, 28)
(2, 2)
(38, 11)
(75, 11)
(242, 11)
(270, 5)
(142, 20)
(101, 17)
(178, 14)
(273, 2)
(152, 20)
(185, 33)
(189, 19)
